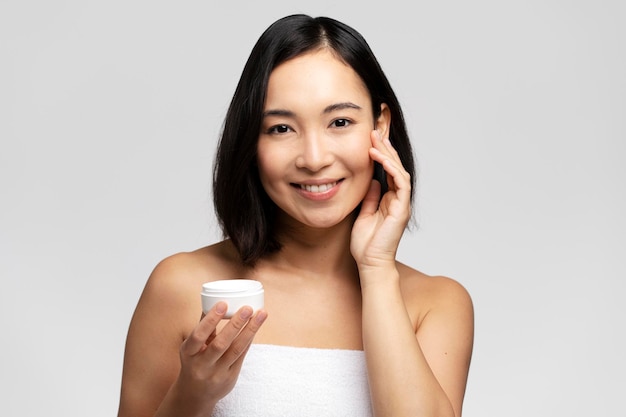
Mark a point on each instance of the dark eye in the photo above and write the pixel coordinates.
(341, 123)
(279, 129)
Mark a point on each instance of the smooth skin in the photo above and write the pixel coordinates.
(334, 284)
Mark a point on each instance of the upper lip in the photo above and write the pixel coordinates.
(322, 181)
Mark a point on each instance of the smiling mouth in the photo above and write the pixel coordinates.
(320, 188)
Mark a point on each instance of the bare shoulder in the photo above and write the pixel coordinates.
(176, 281)
(185, 268)
(168, 309)
(442, 313)
(199, 263)
(424, 294)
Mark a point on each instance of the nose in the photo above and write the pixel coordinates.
(315, 152)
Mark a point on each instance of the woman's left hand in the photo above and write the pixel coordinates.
(379, 227)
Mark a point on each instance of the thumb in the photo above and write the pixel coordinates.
(370, 203)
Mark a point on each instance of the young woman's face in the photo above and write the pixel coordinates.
(313, 148)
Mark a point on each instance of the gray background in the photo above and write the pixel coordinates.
(109, 113)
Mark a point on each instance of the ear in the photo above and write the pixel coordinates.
(383, 122)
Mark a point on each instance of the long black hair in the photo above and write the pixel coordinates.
(244, 211)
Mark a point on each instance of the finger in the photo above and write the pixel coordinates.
(386, 149)
(204, 330)
(391, 165)
(237, 364)
(234, 355)
(384, 146)
(379, 152)
(391, 149)
(377, 141)
(223, 340)
(398, 179)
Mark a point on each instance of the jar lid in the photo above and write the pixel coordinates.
(231, 286)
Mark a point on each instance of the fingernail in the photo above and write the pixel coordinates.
(246, 313)
(260, 317)
(220, 308)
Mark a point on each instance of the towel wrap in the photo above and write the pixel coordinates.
(290, 381)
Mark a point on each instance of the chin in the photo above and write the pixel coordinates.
(328, 222)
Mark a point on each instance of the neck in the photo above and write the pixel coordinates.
(318, 252)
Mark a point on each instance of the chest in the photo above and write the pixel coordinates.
(321, 317)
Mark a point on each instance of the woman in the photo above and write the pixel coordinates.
(312, 188)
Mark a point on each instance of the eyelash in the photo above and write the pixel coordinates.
(275, 130)
(347, 122)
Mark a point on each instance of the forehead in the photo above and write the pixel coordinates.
(315, 78)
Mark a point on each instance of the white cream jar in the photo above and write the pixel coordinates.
(235, 292)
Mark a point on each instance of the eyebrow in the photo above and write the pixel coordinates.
(341, 106)
(328, 109)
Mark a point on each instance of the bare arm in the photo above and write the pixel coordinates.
(414, 371)
(421, 374)
(169, 373)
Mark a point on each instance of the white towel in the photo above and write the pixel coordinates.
(278, 381)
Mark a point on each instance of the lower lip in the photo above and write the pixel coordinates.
(326, 195)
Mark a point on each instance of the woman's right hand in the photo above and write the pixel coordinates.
(211, 361)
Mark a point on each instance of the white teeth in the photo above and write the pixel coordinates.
(318, 188)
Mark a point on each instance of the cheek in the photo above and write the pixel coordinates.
(365, 164)
(359, 155)
(362, 168)
(268, 166)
